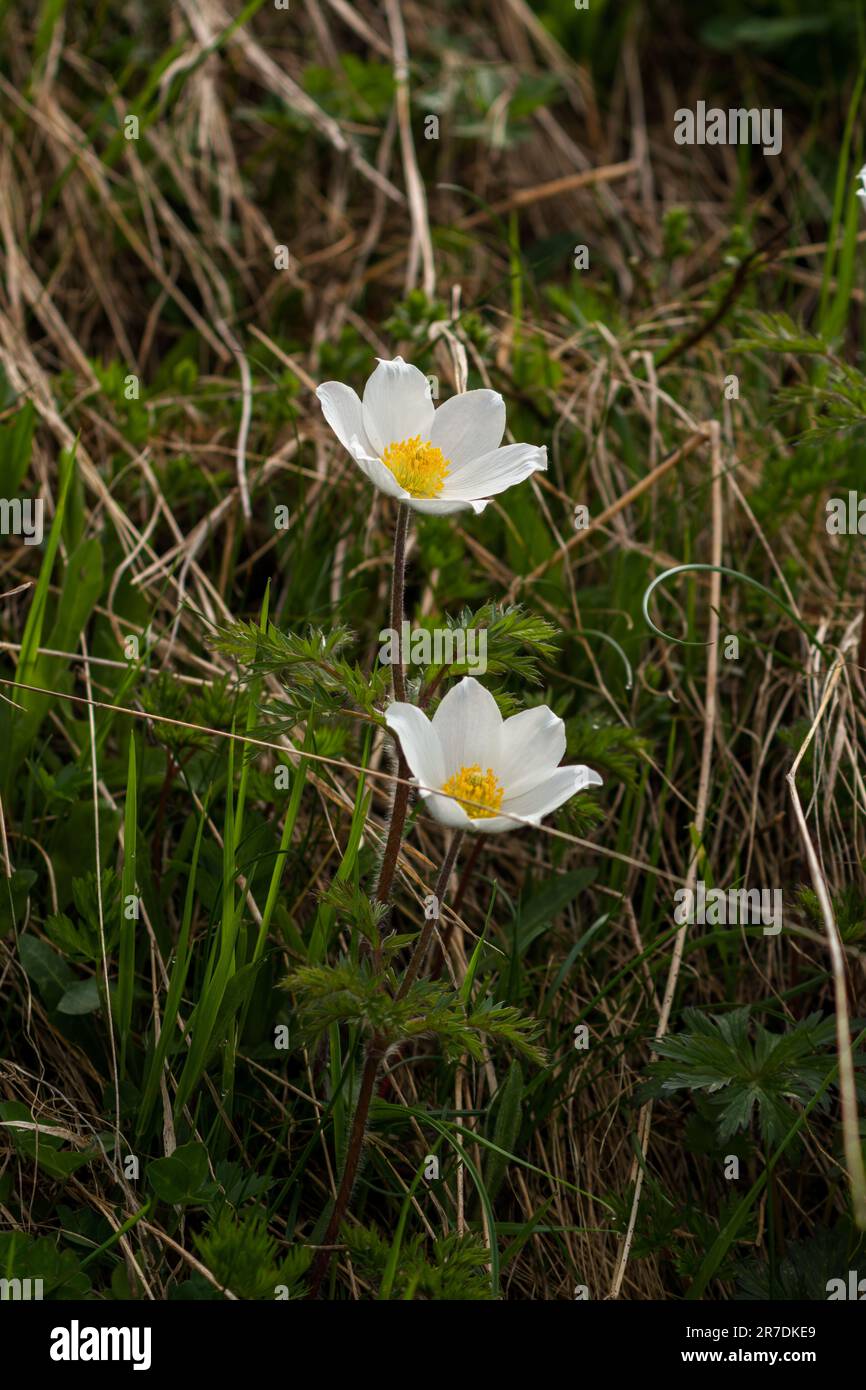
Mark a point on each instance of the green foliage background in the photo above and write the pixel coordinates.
(162, 1112)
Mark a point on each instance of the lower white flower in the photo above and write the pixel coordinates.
(861, 191)
(437, 461)
(489, 769)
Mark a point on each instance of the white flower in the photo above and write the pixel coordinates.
(439, 461)
(861, 192)
(506, 766)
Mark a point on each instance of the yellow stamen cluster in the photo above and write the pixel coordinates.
(470, 785)
(420, 469)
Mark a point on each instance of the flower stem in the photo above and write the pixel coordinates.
(400, 804)
(399, 807)
(398, 584)
(372, 1061)
(438, 961)
(423, 942)
(372, 1058)
(376, 1047)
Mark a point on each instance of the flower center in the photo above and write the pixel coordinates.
(420, 469)
(470, 785)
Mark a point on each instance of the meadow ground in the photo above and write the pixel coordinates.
(613, 1074)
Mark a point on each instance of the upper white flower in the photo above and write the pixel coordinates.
(439, 461)
(490, 768)
(861, 192)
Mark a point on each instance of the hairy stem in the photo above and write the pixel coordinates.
(398, 584)
(372, 1059)
(397, 820)
(400, 804)
(423, 942)
(438, 961)
(399, 807)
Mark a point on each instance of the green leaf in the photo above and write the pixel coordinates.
(16, 444)
(539, 911)
(81, 998)
(38, 1145)
(81, 585)
(13, 898)
(49, 972)
(506, 1129)
(39, 1257)
(182, 1176)
(129, 890)
(350, 993)
(744, 1069)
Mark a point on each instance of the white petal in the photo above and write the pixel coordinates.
(548, 795)
(447, 811)
(445, 506)
(491, 825)
(421, 747)
(494, 472)
(469, 426)
(381, 477)
(397, 404)
(533, 745)
(343, 411)
(468, 726)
